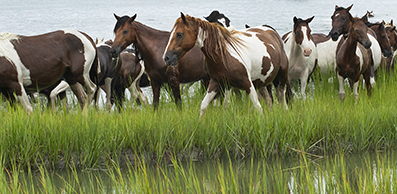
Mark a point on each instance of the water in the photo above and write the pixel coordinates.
(95, 17)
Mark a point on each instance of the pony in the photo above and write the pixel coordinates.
(301, 51)
(246, 59)
(354, 58)
(151, 44)
(37, 62)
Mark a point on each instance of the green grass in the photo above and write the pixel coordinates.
(320, 125)
(138, 147)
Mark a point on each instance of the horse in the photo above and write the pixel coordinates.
(131, 71)
(108, 70)
(384, 42)
(51, 93)
(301, 52)
(354, 58)
(151, 44)
(341, 21)
(220, 18)
(37, 62)
(246, 59)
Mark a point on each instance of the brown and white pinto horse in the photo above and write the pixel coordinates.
(301, 52)
(36, 62)
(246, 59)
(151, 44)
(354, 58)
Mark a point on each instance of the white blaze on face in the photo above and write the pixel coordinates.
(169, 41)
(306, 44)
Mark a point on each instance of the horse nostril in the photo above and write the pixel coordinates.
(166, 58)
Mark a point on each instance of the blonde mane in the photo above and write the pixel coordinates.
(217, 39)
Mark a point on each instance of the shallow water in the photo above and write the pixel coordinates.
(29, 17)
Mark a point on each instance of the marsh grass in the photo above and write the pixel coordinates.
(138, 138)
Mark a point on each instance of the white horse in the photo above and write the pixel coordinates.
(301, 52)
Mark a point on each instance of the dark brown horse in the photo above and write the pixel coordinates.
(151, 44)
(37, 62)
(247, 59)
(354, 58)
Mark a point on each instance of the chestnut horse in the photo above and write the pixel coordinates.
(151, 44)
(354, 58)
(301, 52)
(246, 59)
(37, 62)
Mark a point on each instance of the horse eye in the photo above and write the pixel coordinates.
(179, 34)
(344, 18)
(125, 32)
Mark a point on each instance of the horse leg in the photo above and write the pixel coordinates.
(211, 93)
(108, 90)
(78, 90)
(173, 82)
(156, 93)
(61, 87)
(355, 89)
(228, 94)
(342, 92)
(264, 92)
(304, 78)
(280, 93)
(23, 97)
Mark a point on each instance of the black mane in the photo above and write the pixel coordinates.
(121, 22)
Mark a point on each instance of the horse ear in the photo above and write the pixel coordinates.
(348, 8)
(183, 18)
(295, 20)
(394, 28)
(133, 18)
(336, 7)
(116, 16)
(391, 22)
(364, 18)
(308, 20)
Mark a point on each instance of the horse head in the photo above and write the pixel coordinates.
(216, 17)
(302, 33)
(183, 38)
(359, 31)
(124, 32)
(382, 37)
(391, 34)
(341, 21)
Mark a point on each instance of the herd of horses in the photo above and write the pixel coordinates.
(211, 51)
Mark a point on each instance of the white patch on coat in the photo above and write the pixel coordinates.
(8, 51)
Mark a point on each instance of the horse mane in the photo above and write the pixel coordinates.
(217, 38)
(6, 37)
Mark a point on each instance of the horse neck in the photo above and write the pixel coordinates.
(350, 44)
(149, 42)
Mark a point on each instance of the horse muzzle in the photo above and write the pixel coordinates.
(170, 58)
(367, 44)
(334, 35)
(115, 51)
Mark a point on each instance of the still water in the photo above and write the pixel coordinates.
(95, 17)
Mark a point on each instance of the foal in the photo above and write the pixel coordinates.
(353, 59)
